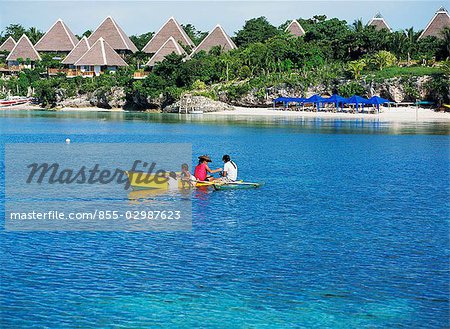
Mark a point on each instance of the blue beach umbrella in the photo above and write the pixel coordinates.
(336, 99)
(283, 100)
(355, 99)
(286, 100)
(375, 100)
(315, 99)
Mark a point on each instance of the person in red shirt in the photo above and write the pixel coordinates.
(202, 169)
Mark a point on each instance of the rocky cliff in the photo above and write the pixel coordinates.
(397, 89)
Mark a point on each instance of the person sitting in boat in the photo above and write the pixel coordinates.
(202, 169)
(230, 170)
(186, 178)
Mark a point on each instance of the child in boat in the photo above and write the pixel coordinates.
(230, 170)
(186, 177)
(202, 169)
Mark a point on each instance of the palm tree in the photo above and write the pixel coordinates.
(445, 67)
(356, 67)
(34, 34)
(358, 25)
(398, 43)
(411, 39)
(384, 59)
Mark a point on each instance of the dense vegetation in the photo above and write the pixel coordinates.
(333, 54)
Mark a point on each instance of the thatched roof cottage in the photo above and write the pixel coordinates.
(59, 38)
(23, 50)
(217, 37)
(440, 20)
(295, 28)
(379, 23)
(113, 34)
(80, 49)
(169, 47)
(8, 45)
(170, 29)
(99, 58)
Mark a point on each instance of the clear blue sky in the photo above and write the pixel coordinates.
(137, 17)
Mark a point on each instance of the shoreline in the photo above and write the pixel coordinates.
(407, 114)
(398, 114)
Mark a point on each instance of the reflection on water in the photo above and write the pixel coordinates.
(303, 124)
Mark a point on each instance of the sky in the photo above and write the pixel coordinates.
(137, 17)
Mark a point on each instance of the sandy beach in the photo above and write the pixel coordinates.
(386, 114)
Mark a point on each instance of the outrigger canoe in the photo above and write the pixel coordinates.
(144, 181)
(12, 101)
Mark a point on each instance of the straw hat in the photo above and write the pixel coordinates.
(205, 157)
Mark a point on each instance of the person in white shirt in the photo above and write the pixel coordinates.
(230, 169)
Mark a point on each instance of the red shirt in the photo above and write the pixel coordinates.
(200, 171)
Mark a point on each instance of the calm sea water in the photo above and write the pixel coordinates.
(351, 230)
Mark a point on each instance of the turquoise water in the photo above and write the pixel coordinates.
(350, 230)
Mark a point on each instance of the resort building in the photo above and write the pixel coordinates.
(23, 55)
(59, 38)
(112, 33)
(8, 45)
(99, 58)
(438, 23)
(170, 29)
(295, 29)
(217, 37)
(169, 47)
(379, 23)
(80, 49)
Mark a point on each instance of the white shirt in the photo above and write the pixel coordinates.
(231, 170)
(173, 183)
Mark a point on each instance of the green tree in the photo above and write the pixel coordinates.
(358, 26)
(411, 40)
(34, 34)
(445, 67)
(398, 43)
(15, 31)
(196, 35)
(446, 42)
(86, 33)
(255, 30)
(141, 40)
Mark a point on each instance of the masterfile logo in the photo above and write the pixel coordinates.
(87, 187)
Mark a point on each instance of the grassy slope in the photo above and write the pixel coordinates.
(392, 72)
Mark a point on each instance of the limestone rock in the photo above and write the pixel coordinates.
(200, 103)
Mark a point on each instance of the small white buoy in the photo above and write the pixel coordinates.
(67, 140)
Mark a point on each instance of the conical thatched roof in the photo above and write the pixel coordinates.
(379, 23)
(23, 49)
(295, 28)
(80, 49)
(169, 47)
(170, 29)
(217, 37)
(440, 20)
(113, 34)
(58, 38)
(8, 45)
(101, 53)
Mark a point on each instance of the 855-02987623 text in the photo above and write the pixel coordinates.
(98, 215)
